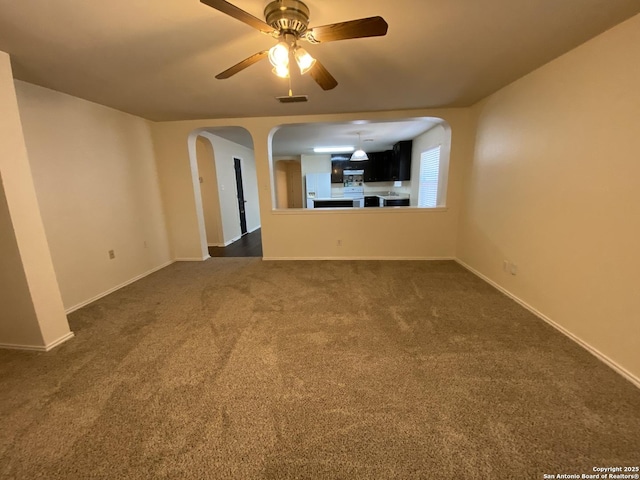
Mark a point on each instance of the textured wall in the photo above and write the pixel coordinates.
(97, 186)
(410, 233)
(554, 188)
(32, 315)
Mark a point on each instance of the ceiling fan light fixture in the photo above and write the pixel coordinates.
(288, 22)
(304, 60)
(279, 55)
(281, 71)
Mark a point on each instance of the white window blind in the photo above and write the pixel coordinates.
(429, 170)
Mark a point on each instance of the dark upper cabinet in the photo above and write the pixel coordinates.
(381, 167)
(401, 166)
(378, 167)
(370, 173)
(338, 165)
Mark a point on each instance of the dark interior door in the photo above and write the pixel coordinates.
(241, 200)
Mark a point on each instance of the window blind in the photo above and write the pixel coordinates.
(429, 171)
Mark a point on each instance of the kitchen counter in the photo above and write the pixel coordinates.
(384, 199)
(332, 202)
(387, 199)
(331, 199)
(400, 196)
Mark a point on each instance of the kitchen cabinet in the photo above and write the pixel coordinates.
(339, 163)
(396, 202)
(371, 201)
(333, 203)
(401, 165)
(385, 166)
(378, 167)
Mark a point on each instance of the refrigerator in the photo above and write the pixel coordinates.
(318, 186)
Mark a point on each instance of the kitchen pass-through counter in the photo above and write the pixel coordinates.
(388, 200)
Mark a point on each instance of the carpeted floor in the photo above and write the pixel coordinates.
(243, 369)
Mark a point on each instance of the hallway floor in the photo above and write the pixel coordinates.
(250, 245)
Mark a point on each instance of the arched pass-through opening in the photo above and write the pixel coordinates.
(406, 165)
(225, 185)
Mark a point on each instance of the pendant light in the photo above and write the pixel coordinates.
(359, 155)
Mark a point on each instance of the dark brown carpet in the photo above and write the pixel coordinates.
(238, 368)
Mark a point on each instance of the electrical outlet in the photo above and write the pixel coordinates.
(339, 243)
(513, 269)
(112, 254)
(505, 265)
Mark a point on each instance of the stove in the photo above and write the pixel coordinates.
(354, 186)
(356, 193)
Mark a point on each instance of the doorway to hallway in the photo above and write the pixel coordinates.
(250, 245)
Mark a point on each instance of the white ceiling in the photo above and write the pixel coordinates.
(158, 59)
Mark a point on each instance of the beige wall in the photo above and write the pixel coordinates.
(209, 191)
(18, 321)
(554, 188)
(96, 181)
(413, 233)
(31, 313)
(318, 163)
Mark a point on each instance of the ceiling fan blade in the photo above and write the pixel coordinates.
(238, 67)
(363, 27)
(239, 14)
(322, 76)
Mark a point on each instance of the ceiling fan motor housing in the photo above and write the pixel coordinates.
(288, 16)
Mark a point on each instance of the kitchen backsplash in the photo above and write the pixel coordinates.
(375, 188)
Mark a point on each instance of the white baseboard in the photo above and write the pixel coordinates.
(595, 352)
(215, 244)
(59, 341)
(235, 239)
(117, 287)
(429, 259)
(38, 348)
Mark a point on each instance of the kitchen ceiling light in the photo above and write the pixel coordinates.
(359, 155)
(333, 149)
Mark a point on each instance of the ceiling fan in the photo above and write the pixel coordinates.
(288, 21)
